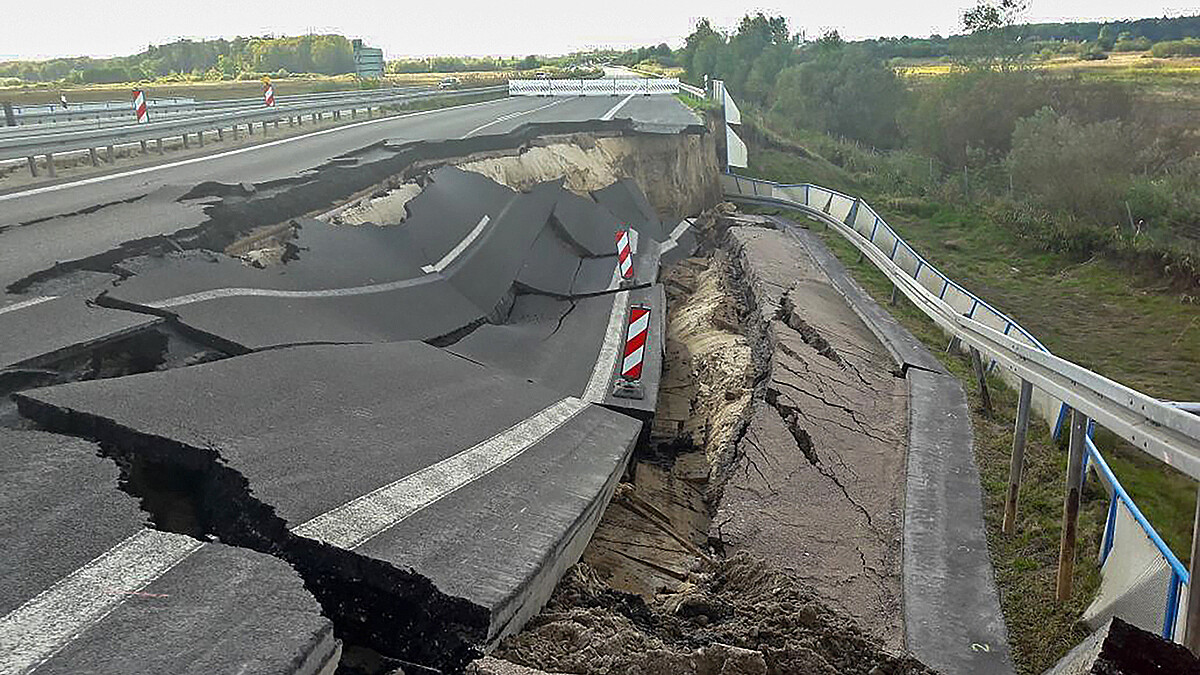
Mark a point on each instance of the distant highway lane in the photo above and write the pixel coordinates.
(61, 222)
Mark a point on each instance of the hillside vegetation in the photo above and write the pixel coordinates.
(1082, 166)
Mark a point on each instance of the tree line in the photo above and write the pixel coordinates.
(1087, 161)
(214, 59)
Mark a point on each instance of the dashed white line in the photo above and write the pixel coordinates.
(613, 110)
(27, 303)
(458, 249)
(272, 293)
(505, 118)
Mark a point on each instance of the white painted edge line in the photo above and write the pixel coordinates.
(606, 360)
(505, 118)
(458, 248)
(357, 522)
(44, 625)
(249, 148)
(37, 630)
(24, 304)
(613, 110)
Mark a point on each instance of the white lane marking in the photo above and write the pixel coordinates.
(37, 630)
(673, 240)
(458, 249)
(597, 387)
(357, 522)
(613, 110)
(27, 303)
(272, 293)
(369, 289)
(43, 626)
(680, 229)
(238, 151)
(505, 118)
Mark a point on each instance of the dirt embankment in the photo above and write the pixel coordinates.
(676, 171)
(734, 547)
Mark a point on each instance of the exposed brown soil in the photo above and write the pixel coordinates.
(758, 530)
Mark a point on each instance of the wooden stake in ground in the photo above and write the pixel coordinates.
(981, 380)
(1066, 548)
(1017, 464)
(1191, 638)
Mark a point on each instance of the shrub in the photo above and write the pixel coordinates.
(1079, 169)
(1169, 48)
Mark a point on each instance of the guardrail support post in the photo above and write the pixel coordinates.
(353, 113)
(220, 134)
(200, 137)
(250, 129)
(1070, 519)
(145, 150)
(50, 165)
(158, 146)
(1191, 638)
(1017, 464)
(32, 166)
(185, 141)
(895, 293)
(93, 156)
(981, 379)
(109, 156)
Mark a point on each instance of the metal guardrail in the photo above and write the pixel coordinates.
(1164, 430)
(50, 142)
(600, 87)
(52, 114)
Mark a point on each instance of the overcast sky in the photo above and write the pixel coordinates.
(50, 28)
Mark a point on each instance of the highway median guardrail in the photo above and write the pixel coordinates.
(616, 86)
(1142, 579)
(49, 141)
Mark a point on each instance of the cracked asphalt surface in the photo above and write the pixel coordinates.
(820, 466)
(312, 475)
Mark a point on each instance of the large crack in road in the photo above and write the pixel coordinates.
(758, 530)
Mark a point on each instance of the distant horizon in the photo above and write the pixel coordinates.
(557, 34)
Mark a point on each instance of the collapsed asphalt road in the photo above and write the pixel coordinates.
(414, 422)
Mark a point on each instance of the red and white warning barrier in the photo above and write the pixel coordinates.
(624, 254)
(635, 342)
(269, 94)
(139, 106)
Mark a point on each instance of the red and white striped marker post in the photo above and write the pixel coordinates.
(624, 257)
(269, 94)
(139, 106)
(629, 385)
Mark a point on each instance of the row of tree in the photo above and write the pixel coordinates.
(325, 54)
(1079, 149)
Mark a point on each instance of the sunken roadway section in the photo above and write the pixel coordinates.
(400, 437)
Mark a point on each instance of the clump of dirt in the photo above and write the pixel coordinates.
(389, 207)
(656, 527)
(730, 617)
